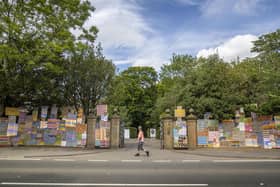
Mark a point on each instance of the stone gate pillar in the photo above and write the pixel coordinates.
(168, 123)
(91, 122)
(115, 130)
(192, 130)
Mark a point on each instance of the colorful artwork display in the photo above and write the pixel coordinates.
(12, 126)
(180, 139)
(202, 132)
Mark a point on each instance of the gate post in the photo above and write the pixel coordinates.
(167, 121)
(115, 130)
(192, 129)
(91, 122)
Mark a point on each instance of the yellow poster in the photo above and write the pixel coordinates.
(180, 112)
(35, 114)
(11, 111)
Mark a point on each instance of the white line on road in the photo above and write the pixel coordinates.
(98, 160)
(20, 159)
(65, 160)
(162, 161)
(230, 161)
(96, 184)
(185, 161)
(131, 160)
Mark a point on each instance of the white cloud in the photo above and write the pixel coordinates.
(238, 46)
(222, 7)
(188, 2)
(119, 23)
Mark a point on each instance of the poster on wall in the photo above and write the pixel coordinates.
(213, 138)
(35, 114)
(70, 123)
(12, 129)
(4, 139)
(126, 134)
(53, 112)
(202, 132)
(44, 112)
(71, 140)
(49, 136)
(101, 110)
(153, 133)
(180, 139)
(43, 124)
(102, 134)
(22, 116)
(53, 123)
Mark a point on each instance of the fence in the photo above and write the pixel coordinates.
(44, 127)
(246, 132)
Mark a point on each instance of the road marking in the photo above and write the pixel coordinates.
(96, 184)
(65, 160)
(20, 159)
(185, 161)
(230, 161)
(98, 160)
(162, 161)
(131, 160)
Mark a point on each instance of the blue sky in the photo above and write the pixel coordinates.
(148, 32)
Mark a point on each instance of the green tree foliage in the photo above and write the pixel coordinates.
(268, 47)
(134, 92)
(212, 85)
(88, 76)
(35, 36)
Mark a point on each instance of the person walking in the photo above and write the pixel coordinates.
(141, 142)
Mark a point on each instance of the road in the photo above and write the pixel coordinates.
(66, 172)
(56, 167)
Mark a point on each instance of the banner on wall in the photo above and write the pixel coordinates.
(11, 111)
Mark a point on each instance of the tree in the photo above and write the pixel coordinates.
(268, 49)
(134, 93)
(35, 36)
(88, 75)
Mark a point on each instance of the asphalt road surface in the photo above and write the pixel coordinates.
(66, 172)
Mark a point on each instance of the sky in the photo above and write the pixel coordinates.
(149, 32)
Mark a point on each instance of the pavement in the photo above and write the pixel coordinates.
(130, 149)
